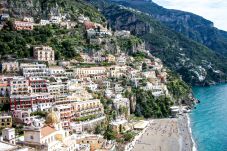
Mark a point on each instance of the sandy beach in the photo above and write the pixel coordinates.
(186, 143)
(166, 135)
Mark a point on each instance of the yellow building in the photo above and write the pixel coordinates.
(5, 121)
(44, 53)
(111, 58)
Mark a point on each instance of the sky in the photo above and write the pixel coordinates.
(213, 10)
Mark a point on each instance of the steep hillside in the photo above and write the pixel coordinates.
(66, 42)
(42, 9)
(196, 63)
(191, 25)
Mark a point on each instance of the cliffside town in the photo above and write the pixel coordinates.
(95, 95)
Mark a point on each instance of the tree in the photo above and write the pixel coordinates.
(98, 129)
(144, 66)
(109, 133)
(128, 136)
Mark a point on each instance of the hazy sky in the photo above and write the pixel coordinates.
(214, 10)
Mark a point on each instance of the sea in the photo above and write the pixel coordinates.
(209, 120)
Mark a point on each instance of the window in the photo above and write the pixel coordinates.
(31, 137)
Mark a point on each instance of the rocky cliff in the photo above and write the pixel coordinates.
(195, 62)
(191, 25)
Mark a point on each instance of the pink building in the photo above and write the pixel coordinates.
(21, 25)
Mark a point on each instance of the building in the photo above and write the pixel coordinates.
(34, 70)
(4, 16)
(87, 108)
(21, 25)
(68, 24)
(50, 137)
(9, 136)
(42, 102)
(83, 72)
(89, 25)
(65, 114)
(57, 89)
(120, 125)
(21, 102)
(9, 67)
(5, 121)
(57, 71)
(38, 85)
(44, 22)
(97, 143)
(121, 60)
(89, 125)
(82, 19)
(21, 116)
(20, 86)
(28, 19)
(117, 71)
(44, 53)
(4, 88)
(86, 58)
(55, 19)
(119, 103)
(111, 58)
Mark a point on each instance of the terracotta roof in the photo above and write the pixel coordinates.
(47, 130)
(89, 25)
(3, 84)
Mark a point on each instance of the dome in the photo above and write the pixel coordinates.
(52, 118)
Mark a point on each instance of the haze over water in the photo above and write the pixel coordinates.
(209, 119)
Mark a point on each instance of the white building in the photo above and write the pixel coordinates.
(55, 19)
(28, 19)
(120, 102)
(9, 136)
(121, 60)
(19, 86)
(44, 22)
(81, 72)
(50, 137)
(34, 70)
(11, 66)
(57, 71)
(82, 18)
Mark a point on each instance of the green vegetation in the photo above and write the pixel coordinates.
(167, 44)
(128, 136)
(150, 107)
(85, 118)
(126, 44)
(178, 88)
(194, 27)
(110, 134)
(65, 42)
(4, 107)
(42, 8)
(39, 113)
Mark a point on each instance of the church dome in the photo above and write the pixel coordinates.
(52, 118)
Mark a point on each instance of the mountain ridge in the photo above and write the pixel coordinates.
(191, 25)
(195, 62)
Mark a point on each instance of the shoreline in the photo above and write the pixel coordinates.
(194, 148)
(186, 140)
(161, 134)
(170, 134)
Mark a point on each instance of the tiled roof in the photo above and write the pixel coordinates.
(47, 130)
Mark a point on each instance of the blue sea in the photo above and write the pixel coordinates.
(209, 119)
